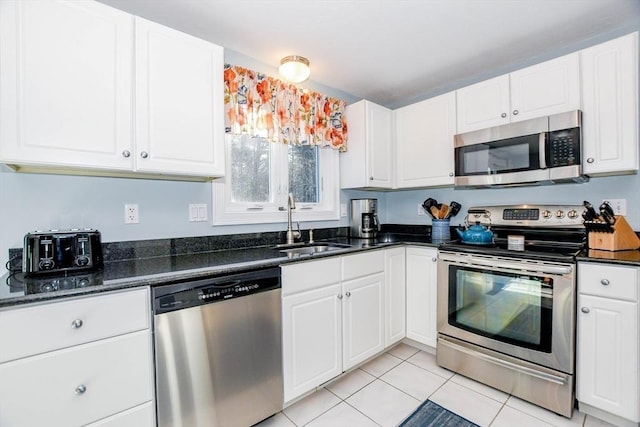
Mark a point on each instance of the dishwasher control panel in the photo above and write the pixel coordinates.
(191, 294)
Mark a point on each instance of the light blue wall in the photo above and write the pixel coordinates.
(402, 206)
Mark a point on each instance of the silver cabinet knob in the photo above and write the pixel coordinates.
(76, 324)
(370, 178)
(81, 389)
(585, 310)
(339, 296)
(604, 282)
(434, 259)
(516, 112)
(126, 153)
(144, 154)
(450, 173)
(348, 293)
(590, 160)
(503, 115)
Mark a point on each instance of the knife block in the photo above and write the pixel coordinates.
(619, 237)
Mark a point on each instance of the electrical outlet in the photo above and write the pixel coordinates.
(131, 214)
(421, 210)
(343, 210)
(619, 206)
(197, 212)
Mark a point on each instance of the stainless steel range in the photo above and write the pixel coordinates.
(506, 311)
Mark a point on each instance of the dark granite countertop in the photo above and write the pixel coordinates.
(630, 257)
(158, 270)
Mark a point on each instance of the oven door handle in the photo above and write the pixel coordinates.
(506, 364)
(540, 268)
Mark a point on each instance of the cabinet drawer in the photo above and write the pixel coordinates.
(304, 276)
(140, 416)
(608, 281)
(45, 327)
(362, 264)
(45, 389)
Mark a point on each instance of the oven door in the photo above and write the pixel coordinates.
(522, 308)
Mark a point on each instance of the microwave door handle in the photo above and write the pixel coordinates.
(542, 139)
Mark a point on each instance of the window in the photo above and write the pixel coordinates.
(260, 175)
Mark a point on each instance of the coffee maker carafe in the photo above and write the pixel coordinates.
(364, 218)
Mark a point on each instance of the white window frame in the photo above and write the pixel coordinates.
(227, 213)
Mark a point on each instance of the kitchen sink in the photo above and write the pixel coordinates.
(302, 249)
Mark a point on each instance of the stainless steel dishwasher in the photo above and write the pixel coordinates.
(218, 350)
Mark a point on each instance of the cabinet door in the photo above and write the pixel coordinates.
(421, 294)
(607, 355)
(547, 88)
(395, 296)
(78, 385)
(66, 84)
(311, 339)
(363, 318)
(179, 102)
(140, 416)
(610, 106)
(368, 161)
(424, 142)
(483, 104)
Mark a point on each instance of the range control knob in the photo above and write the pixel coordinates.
(559, 214)
(573, 214)
(546, 214)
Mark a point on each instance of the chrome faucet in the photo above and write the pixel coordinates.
(291, 235)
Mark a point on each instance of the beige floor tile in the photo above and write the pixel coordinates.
(596, 422)
(278, 420)
(403, 351)
(311, 407)
(509, 417)
(342, 415)
(413, 380)
(467, 403)
(427, 361)
(348, 384)
(545, 415)
(381, 364)
(384, 404)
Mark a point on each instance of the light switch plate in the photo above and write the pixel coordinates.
(197, 212)
(343, 210)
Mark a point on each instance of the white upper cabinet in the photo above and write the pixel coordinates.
(66, 84)
(179, 108)
(424, 134)
(543, 89)
(69, 95)
(610, 106)
(368, 161)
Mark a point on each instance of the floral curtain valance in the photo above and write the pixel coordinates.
(262, 106)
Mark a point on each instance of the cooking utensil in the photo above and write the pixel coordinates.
(435, 212)
(444, 211)
(454, 208)
(427, 205)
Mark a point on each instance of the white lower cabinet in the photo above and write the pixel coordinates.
(607, 342)
(395, 297)
(421, 294)
(97, 379)
(333, 318)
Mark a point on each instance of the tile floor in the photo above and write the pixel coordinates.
(389, 388)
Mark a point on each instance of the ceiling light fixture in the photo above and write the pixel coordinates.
(295, 68)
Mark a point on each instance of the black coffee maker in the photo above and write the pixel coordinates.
(364, 218)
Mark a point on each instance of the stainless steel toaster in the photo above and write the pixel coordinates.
(61, 251)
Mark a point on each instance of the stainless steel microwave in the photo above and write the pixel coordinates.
(544, 150)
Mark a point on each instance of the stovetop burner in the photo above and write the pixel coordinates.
(551, 232)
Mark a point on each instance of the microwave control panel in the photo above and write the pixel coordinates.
(564, 148)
